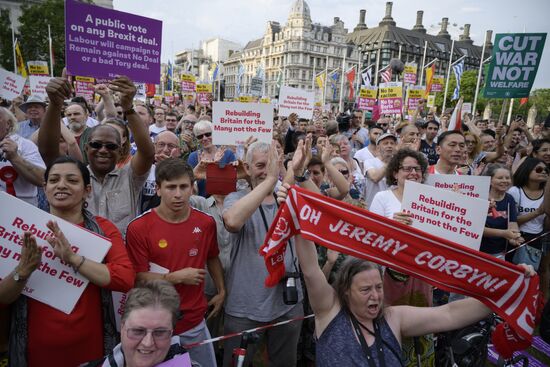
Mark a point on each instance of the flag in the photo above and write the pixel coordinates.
(21, 70)
(455, 123)
(350, 76)
(386, 75)
(367, 77)
(260, 71)
(169, 76)
(240, 74)
(320, 80)
(458, 69)
(280, 79)
(333, 83)
(214, 68)
(430, 72)
(523, 101)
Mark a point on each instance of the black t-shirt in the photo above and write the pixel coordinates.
(499, 219)
(429, 151)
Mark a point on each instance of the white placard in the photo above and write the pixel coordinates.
(298, 101)
(11, 85)
(119, 298)
(445, 214)
(140, 92)
(53, 283)
(38, 85)
(472, 186)
(234, 122)
(466, 108)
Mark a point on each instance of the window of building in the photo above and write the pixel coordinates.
(464, 51)
(441, 46)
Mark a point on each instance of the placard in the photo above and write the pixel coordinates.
(430, 102)
(204, 94)
(38, 85)
(415, 93)
(140, 92)
(298, 101)
(234, 122)
(367, 98)
(106, 43)
(245, 99)
(513, 68)
(391, 97)
(446, 214)
(466, 108)
(437, 83)
(11, 85)
(188, 83)
(409, 73)
(38, 68)
(84, 87)
(53, 282)
(472, 186)
(256, 86)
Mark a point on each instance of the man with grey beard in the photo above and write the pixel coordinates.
(77, 116)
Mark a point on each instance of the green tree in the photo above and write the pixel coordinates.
(33, 31)
(6, 48)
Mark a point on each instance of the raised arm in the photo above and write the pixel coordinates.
(341, 184)
(236, 216)
(143, 159)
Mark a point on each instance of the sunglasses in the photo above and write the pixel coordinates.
(540, 169)
(98, 145)
(203, 135)
(344, 172)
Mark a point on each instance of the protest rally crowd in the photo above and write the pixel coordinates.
(137, 174)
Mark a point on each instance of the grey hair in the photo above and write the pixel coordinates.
(339, 160)
(336, 139)
(256, 147)
(10, 119)
(202, 125)
(153, 293)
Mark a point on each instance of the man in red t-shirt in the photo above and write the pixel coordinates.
(175, 242)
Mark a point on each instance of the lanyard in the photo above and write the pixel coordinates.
(377, 342)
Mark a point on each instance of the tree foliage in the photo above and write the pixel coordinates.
(6, 50)
(33, 32)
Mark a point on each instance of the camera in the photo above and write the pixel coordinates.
(290, 291)
(344, 122)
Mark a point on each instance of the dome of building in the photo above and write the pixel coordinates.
(300, 9)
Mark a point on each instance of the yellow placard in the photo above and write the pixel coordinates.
(391, 92)
(368, 92)
(410, 69)
(168, 93)
(36, 68)
(245, 99)
(431, 101)
(415, 93)
(188, 78)
(84, 79)
(265, 100)
(204, 88)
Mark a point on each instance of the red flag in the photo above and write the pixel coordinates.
(523, 101)
(350, 76)
(150, 90)
(455, 123)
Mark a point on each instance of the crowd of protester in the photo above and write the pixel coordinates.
(137, 174)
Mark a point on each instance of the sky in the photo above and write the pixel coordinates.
(186, 23)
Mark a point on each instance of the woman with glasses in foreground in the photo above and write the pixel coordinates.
(150, 315)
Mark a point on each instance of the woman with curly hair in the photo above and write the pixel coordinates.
(401, 289)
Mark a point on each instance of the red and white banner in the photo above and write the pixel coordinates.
(500, 285)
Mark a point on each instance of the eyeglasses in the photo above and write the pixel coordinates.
(409, 169)
(162, 145)
(140, 333)
(204, 135)
(344, 172)
(540, 169)
(98, 145)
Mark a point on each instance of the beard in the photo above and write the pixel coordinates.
(75, 125)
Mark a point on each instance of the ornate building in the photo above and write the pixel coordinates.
(294, 50)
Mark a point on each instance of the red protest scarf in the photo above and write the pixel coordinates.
(350, 76)
(500, 285)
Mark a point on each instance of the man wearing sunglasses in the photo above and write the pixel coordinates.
(115, 192)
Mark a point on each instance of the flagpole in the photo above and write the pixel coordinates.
(510, 112)
(51, 50)
(358, 76)
(377, 67)
(13, 42)
(284, 70)
(313, 76)
(325, 82)
(340, 104)
(448, 74)
(481, 62)
(423, 63)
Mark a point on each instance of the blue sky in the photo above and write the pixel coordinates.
(186, 23)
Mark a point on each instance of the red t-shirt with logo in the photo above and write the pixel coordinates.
(174, 246)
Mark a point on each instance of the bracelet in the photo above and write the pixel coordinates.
(79, 265)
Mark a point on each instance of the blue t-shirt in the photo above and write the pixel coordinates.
(499, 219)
(193, 160)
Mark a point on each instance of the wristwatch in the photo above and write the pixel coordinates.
(130, 111)
(303, 178)
(18, 278)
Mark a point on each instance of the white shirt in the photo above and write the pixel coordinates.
(385, 203)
